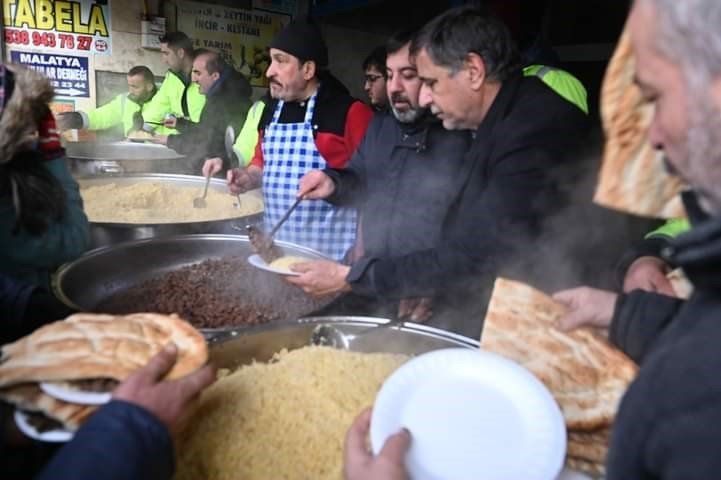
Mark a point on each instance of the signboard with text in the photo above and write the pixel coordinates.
(67, 74)
(66, 27)
(242, 36)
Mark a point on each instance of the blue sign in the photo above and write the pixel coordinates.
(67, 74)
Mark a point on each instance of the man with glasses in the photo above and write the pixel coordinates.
(374, 79)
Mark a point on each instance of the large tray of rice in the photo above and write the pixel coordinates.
(284, 419)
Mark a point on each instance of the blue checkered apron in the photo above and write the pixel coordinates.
(289, 152)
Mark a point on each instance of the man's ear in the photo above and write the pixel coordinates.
(476, 70)
(309, 69)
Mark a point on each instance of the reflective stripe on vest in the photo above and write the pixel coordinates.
(543, 71)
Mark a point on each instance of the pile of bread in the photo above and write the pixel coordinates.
(586, 375)
(633, 176)
(90, 347)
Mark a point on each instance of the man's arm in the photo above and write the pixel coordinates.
(357, 121)
(350, 181)
(106, 116)
(489, 227)
(121, 441)
(638, 320)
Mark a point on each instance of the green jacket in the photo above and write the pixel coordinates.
(175, 96)
(562, 82)
(119, 110)
(247, 139)
(33, 258)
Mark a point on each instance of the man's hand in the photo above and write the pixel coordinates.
(320, 277)
(68, 120)
(212, 166)
(648, 273)
(315, 185)
(168, 400)
(360, 464)
(160, 139)
(240, 181)
(170, 122)
(586, 307)
(415, 309)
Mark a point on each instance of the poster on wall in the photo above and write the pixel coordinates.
(67, 74)
(280, 6)
(79, 27)
(242, 36)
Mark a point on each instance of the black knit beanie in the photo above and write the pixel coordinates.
(303, 40)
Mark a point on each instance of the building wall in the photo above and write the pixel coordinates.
(346, 50)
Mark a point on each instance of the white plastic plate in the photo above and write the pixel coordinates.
(74, 396)
(473, 415)
(59, 435)
(258, 262)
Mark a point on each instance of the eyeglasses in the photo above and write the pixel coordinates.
(372, 78)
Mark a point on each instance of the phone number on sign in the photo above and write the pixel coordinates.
(48, 39)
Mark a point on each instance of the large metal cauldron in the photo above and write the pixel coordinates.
(107, 233)
(235, 347)
(94, 277)
(98, 158)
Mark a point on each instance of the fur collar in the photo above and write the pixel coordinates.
(23, 110)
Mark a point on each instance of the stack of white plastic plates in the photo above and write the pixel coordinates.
(70, 395)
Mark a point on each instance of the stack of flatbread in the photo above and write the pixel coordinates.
(86, 349)
(633, 177)
(585, 374)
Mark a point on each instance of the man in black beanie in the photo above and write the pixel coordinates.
(311, 123)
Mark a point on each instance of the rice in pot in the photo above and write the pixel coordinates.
(285, 419)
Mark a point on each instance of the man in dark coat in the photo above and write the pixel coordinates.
(510, 181)
(227, 102)
(667, 423)
(400, 178)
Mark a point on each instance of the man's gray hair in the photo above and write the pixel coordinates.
(690, 34)
(450, 37)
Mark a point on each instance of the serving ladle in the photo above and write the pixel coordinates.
(325, 335)
(230, 153)
(199, 202)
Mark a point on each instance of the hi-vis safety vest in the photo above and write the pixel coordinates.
(119, 110)
(561, 82)
(244, 145)
(174, 97)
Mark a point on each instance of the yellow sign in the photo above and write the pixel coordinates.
(58, 26)
(242, 36)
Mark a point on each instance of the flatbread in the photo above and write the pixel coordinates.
(29, 397)
(680, 283)
(591, 446)
(88, 345)
(585, 374)
(596, 470)
(139, 135)
(633, 177)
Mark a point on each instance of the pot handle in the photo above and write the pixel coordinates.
(110, 168)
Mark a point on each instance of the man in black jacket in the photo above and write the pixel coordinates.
(510, 181)
(227, 101)
(667, 423)
(401, 178)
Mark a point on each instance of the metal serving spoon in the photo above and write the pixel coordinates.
(199, 202)
(230, 153)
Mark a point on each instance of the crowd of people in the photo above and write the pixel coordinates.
(419, 200)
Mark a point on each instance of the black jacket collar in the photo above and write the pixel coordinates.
(698, 251)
